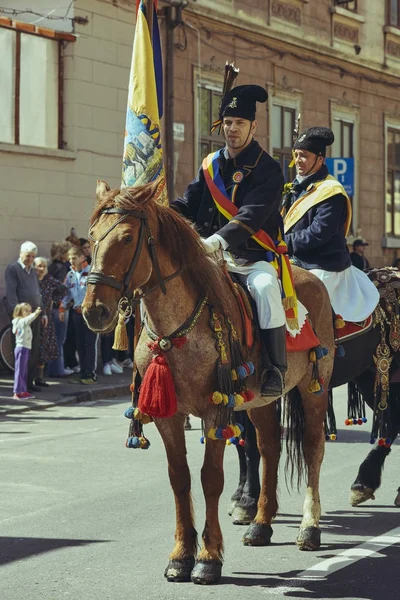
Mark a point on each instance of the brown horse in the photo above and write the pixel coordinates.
(172, 274)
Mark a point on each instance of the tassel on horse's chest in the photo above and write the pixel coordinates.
(157, 392)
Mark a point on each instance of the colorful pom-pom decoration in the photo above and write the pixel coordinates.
(217, 398)
(132, 442)
(202, 439)
(333, 437)
(313, 356)
(249, 396)
(315, 387)
(212, 433)
(234, 375)
(144, 443)
(340, 352)
(251, 367)
(241, 371)
(241, 442)
(129, 412)
(339, 322)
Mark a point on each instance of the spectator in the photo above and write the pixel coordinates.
(21, 326)
(58, 269)
(76, 282)
(73, 238)
(22, 285)
(85, 245)
(52, 291)
(110, 364)
(357, 256)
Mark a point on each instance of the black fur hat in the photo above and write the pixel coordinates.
(315, 139)
(241, 100)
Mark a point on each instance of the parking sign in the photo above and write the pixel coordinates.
(343, 170)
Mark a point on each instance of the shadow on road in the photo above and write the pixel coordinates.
(19, 548)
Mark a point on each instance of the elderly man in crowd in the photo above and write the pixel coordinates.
(22, 285)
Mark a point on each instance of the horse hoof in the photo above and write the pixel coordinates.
(243, 515)
(206, 572)
(358, 496)
(232, 508)
(179, 570)
(309, 538)
(397, 499)
(257, 535)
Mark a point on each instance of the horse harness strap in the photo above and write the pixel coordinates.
(98, 277)
(166, 342)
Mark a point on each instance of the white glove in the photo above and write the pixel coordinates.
(212, 244)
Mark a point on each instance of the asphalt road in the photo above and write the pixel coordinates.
(84, 518)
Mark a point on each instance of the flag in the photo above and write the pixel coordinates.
(142, 158)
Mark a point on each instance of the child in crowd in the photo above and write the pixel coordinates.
(86, 340)
(22, 318)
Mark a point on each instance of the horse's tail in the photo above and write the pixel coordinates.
(295, 429)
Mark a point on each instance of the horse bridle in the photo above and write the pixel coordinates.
(97, 276)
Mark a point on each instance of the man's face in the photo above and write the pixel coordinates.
(238, 132)
(28, 258)
(86, 249)
(76, 260)
(360, 249)
(307, 162)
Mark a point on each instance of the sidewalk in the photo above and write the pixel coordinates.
(60, 391)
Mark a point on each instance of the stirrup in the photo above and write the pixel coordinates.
(274, 391)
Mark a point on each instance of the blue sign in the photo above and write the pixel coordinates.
(343, 170)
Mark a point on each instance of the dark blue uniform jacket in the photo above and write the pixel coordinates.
(317, 240)
(258, 199)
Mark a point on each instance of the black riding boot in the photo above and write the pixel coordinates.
(273, 377)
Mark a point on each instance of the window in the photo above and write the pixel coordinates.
(208, 108)
(283, 121)
(393, 183)
(393, 13)
(343, 147)
(347, 4)
(343, 144)
(30, 107)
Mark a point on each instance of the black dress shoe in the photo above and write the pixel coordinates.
(34, 388)
(41, 382)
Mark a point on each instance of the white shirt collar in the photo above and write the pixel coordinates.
(25, 268)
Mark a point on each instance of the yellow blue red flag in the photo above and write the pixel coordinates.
(142, 158)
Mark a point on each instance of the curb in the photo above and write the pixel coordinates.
(97, 393)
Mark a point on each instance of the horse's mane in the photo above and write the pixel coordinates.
(180, 241)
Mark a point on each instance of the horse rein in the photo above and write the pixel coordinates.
(96, 276)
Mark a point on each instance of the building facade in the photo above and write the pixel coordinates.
(63, 104)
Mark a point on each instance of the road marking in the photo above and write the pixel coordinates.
(322, 570)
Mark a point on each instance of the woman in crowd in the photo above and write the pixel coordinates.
(52, 292)
(58, 269)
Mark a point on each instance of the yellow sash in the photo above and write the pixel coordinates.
(320, 191)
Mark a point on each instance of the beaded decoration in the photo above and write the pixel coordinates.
(231, 388)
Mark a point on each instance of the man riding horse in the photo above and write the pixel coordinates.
(317, 216)
(243, 177)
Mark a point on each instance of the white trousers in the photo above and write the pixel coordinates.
(263, 284)
(352, 294)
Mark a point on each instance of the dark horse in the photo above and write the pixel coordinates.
(357, 368)
(140, 245)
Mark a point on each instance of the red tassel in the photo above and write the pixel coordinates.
(157, 392)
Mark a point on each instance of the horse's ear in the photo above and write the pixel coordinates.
(102, 188)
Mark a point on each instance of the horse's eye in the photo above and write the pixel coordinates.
(128, 239)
